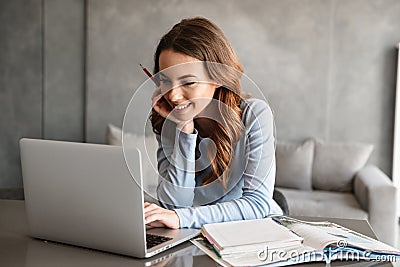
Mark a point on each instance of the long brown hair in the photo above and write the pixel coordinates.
(200, 38)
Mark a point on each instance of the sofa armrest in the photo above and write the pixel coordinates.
(376, 194)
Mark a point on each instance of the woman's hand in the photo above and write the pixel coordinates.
(162, 107)
(160, 104)
(159, 217)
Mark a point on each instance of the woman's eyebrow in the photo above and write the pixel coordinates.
(187, 76)
(179, 78)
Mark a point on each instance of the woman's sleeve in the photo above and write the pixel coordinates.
(259, 177)
(176, 167)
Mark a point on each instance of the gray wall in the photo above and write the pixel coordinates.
(64, 70)
(21, 82)
(327, 66)
(42, 78)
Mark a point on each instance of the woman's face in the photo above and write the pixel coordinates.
(185, 84)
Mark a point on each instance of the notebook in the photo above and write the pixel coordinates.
(248, 236)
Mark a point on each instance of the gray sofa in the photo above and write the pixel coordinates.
(331, 180)
(316, 178)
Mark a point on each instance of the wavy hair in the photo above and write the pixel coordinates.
(198, 37)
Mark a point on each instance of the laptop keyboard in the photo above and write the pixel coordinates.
(154, 240)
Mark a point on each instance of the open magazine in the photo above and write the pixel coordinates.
(322, 241)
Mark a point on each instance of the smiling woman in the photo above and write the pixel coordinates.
(216, 153)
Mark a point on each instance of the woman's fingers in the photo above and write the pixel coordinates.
(150, 208)
(161, 220)
(155, 100)
(155, 216)
(160, 217)
(152, 212)
(146, 204)
(156, 224)
(160, 104)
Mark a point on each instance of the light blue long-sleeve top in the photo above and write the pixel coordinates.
(182, 163)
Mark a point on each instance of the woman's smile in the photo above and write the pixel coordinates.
(182, 108)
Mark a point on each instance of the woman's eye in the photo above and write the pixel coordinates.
(188, 84)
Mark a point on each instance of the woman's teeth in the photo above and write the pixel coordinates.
(180, 107)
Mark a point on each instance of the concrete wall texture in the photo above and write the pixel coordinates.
(41, 78)
(20, 82)
(327, 66)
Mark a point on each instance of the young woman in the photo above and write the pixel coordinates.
(216, 155)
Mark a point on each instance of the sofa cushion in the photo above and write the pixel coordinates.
(323, 204)
(148, 147)
(294, 165)
(335, 164)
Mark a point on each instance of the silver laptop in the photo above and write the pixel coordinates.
(83, 194)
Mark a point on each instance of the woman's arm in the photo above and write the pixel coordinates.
(259, 177)
(176, 167)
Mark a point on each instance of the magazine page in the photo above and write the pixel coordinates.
(354, 239)
(313, 235)
(282, 219)
(322, 234)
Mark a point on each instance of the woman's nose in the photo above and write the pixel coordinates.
(175, 94)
